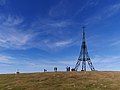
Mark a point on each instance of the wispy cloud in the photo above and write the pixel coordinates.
(115, 42)
(59, 10)
(5, 58)
(63, 43)
(11, 32)
(107, 12)
(3, 2)
(49, 32)
(54, 33)
(44, 23)
(43, 34)
(65, 9)
(106, 62)
(10, 20)
(59, 24)
(86, 5)
(57, 44)
(113, 9)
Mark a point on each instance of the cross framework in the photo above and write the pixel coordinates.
(84, 57)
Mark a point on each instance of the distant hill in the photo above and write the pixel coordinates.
(95, 80)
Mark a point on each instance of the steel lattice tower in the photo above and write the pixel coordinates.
(84, 57)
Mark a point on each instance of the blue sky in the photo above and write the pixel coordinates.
(38, 34)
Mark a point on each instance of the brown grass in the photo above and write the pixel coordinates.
(97, 80)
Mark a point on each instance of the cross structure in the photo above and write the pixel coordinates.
(84, 56)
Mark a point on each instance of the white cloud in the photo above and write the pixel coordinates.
(10, 20)
(59, 24)
(106, 62)
(8, 39)
(92, 20)
(87, 4)
(53, 34)
(3, 2)
(59, 9)
(65, 9)
(5, 58)
(12, 34)
(63, 43)
(45, 23)
(58, 44)
(113, 9)
(107, 12)
(115, 43)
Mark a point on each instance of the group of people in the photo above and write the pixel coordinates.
(55, 69)
(67, 68)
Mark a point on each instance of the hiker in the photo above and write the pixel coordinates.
(68, 68)
(45, 70)
(55, 69)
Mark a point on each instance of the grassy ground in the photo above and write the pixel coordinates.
(61, 81)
